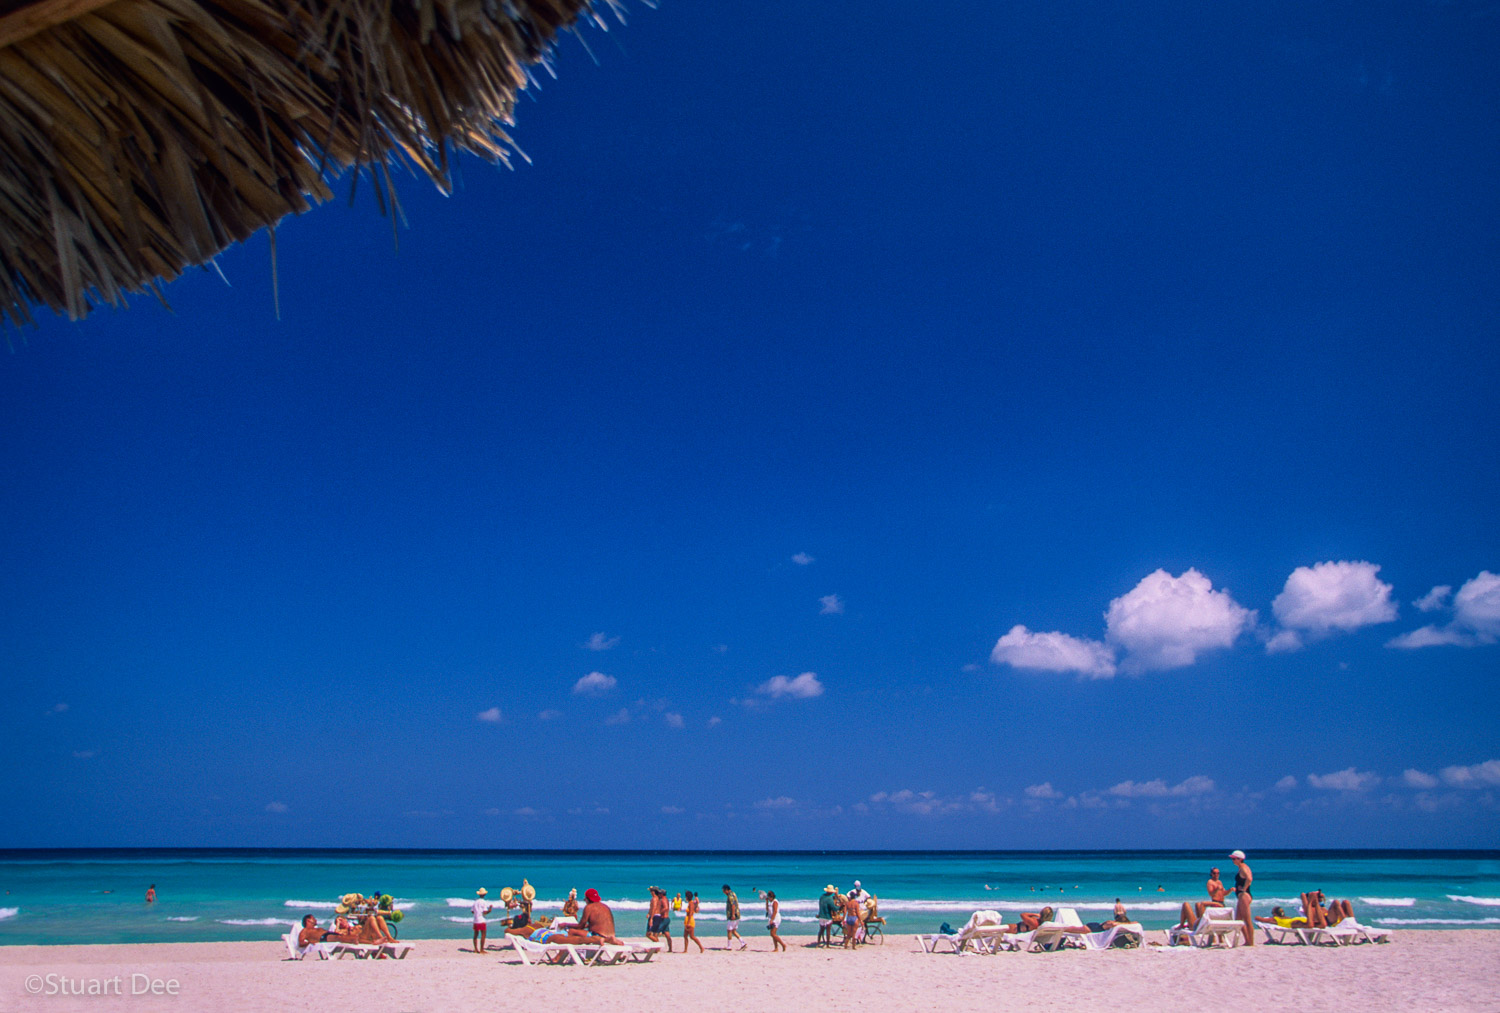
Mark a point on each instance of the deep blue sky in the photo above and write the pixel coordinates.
(989, 313)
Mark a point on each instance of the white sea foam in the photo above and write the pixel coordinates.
(1438, 921)
(1482, 901)
(182, 918)
(317, 904)
(254, 921)
(1389, 901)
(451, 918)
(9, 912)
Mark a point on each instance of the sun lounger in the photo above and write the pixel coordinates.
(398, 950)
(1284, 935)
(544, 953)
(1342, 934)
(1055, 935)
(295, 952)
(1217, 927)
(981, 934)
(1129, 935)
(1367, 933)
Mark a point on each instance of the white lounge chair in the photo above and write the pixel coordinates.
(980, 934)
(544, 953)
(1284, 935)
(1342, 934)
(1217, 927)
(1367, 933)
(398, 950)
(1127, 935)
(295, 952)
(1056, 934)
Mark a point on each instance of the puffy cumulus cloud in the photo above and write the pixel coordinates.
(600, 642)
(1479, 775)
(920, 803)
(779, 802)
(1476, 617)
(594, 684)
(1054, 652)
(673, 719)
(57, 708)
(832, 605)
(1043, 790)
(1434, 599)
(619, 717)
(1347, 779)
(1477, 606)
(1195, 785)
(1284, 641)
(1331, 596)
(276, 807)
(1418, 779)
(803, 687)
(1166, 622)
(491, 716)
(802, 559)
(1287, 783)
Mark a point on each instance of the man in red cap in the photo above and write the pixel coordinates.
(596, 923)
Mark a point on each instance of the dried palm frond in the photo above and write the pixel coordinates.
(140, 137)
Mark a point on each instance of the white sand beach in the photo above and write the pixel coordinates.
(1458, 970)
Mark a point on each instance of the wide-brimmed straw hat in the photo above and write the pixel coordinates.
(830, 888)
(480, 892)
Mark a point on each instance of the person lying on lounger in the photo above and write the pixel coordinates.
(1031, 921)
(596, 923)
(1192, 913)
(1119, 917)
(312, 934)
(1279, 919)
(1322, 913)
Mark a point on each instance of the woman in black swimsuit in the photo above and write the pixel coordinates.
(1243, 878)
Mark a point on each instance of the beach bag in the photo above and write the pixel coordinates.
(947, 930)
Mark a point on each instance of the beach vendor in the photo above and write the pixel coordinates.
(828, 906)
(481, 923)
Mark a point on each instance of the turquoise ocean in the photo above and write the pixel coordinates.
(75, 896)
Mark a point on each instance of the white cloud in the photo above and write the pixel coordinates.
(832, 604)
(549, 715)
(594, 684)
(600, 642)
(58, 708)
(1418, 779)
(1166, 621)
(619, 717)
(1331, 596)
(1434, 599)
(1284, 642)
(780, 802)
(1195, 785)
(1054, 652)
(804, 687)
(1480, 775)
(672, 810)
(1347, 779)
(1430, 636)
(1477, 606)
(673, 719)
(715, 720)
(492, 716)
(526, 812)
(1043, 790)
(802, 559)
(1287, 783)
(276, 807)
(1476, 617)
(921, 803)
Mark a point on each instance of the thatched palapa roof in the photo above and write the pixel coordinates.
(140, 137)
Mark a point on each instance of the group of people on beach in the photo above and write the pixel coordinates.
(1317, 910)
(370, 926)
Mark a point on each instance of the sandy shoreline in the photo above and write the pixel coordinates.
(1458, 970)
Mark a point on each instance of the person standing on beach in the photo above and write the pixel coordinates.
(151, 894)
(828, 913)
(659, 919)
(732, 920)
(481, 925)
(570, 906)
(773, 922)
(1243, 879)
(690, 922)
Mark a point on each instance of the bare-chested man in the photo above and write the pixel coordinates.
(596, 923)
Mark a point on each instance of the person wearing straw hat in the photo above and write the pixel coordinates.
(828, 905)
(481, 924)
